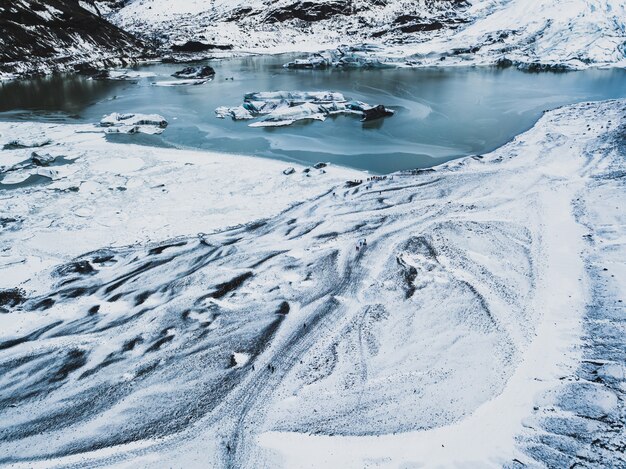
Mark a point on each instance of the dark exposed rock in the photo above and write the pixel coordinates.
(74, 360)
(42, 160)
(504, 63)
(283, 308)
(376, 112)
(224, 288)
(79, 267)
(540, 67)
(205, 71)
(11, 298)
(197, 46)
(241, 13)
(419, 27)
(7, 221)
(310, 11)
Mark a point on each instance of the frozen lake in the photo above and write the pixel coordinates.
(441, 113)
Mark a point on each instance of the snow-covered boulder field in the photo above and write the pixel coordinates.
(536, 34)
(164, 307)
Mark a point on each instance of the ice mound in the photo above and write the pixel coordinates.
(133, 123)
(281, 108)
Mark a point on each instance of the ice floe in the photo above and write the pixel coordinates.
(281, 108)
(205, 71)
(130, 123)
(189, 82)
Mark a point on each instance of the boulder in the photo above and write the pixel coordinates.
(376, 112)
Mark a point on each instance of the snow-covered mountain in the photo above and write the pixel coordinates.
(573, 33)
(47, 35)
(288, 24)
(40, 36)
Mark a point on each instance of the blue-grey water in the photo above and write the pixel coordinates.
(441, 113)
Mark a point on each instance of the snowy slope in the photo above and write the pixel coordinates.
(479, 324)
(574, 33)
(38, 37)
(286, 24)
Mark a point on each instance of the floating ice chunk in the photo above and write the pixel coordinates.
(127, 75)
(295, 96)
(288, 115)
(280, 108)
(237, 113)
(16, 177)
(26, 142)
(195, 72)
(191, 82)
(133, 123)
(48, 172)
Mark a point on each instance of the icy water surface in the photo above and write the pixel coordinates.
(441, 114)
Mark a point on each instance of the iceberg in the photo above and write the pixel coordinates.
(205, 71)
(133, 123)
(358, 56)
(281, 108)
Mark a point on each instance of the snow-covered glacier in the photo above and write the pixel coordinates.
(467, 314)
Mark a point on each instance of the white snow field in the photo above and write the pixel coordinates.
(189, 309)
(567, 33)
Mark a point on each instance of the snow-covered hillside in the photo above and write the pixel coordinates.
(287, 24)
(572, 33)
(41, 36)
(469, 315)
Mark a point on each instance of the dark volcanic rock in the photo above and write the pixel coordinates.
(311, 11)
(197, 46)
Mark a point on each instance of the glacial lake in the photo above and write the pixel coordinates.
(441, 113)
